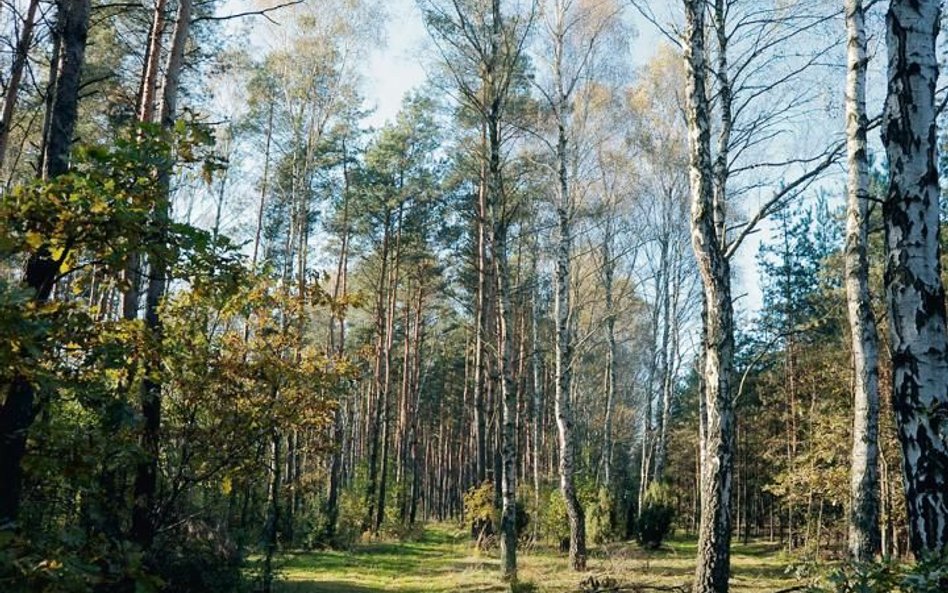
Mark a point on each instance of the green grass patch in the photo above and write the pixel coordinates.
(442, 560)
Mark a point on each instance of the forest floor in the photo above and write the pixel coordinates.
(442, 560)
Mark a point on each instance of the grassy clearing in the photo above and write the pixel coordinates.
(443, 561)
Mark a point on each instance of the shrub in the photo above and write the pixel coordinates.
(928, 576)
(196, 559)
(554, 522)
(351, 512)
(600, 527)
(655, 517)
(480, 515)
(482, 518)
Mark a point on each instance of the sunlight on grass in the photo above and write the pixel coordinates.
(443, 560)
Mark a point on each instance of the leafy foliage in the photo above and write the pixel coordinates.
(928, 576)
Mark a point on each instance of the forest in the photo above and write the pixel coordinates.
(622, 296)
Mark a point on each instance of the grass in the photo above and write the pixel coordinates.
(442, 560)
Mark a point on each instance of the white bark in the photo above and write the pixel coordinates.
(864, 537)
(915, 295)
(561, 306)
(713, 562)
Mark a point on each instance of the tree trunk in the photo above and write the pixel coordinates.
(537, 385)
(562, 386)
(713, 563)
(508, 434)
(563, 312)
(340, 289)
(915, 295)
(18, 409)
(864, 536)
(146, 107)
(272, 523)
(72, 30)
(146, 475)
(20, 57)
(608, 271)
(482, 326)
(387, 383)
(374, 425)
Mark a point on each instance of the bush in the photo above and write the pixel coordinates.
(482, 518)
(196, 559)
(600, 527)
(656, 515)
(928, 576)
(554, 522)
(351, 512)
(480, 515)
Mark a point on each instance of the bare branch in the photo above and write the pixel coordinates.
(264, 12)
(800, 183)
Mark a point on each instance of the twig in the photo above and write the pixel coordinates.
(262, 12)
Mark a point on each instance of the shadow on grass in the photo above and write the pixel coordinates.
(325, 587)
(383, 560)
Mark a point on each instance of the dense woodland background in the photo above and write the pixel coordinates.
(238, 320)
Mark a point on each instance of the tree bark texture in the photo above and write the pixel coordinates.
(713, 562)
(915, 295)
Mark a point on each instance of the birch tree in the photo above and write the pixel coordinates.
(574, 32)
(745, 122)
(914, 291)
(864, 537)
(714, 538)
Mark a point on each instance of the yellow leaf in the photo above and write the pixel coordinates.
(34, 239)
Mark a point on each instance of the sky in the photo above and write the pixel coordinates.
(396, 66)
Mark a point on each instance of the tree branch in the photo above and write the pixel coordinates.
(264, 12)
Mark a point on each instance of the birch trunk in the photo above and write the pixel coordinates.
(608, 272)
(563, 311)
(713, 562)
(864, 536)
(915, 295)
(497, 81)
(564, 374)
(508, 434)
(537, 384)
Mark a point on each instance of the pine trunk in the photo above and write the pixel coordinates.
(17, 68)
(146, 474)
(18, 409)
